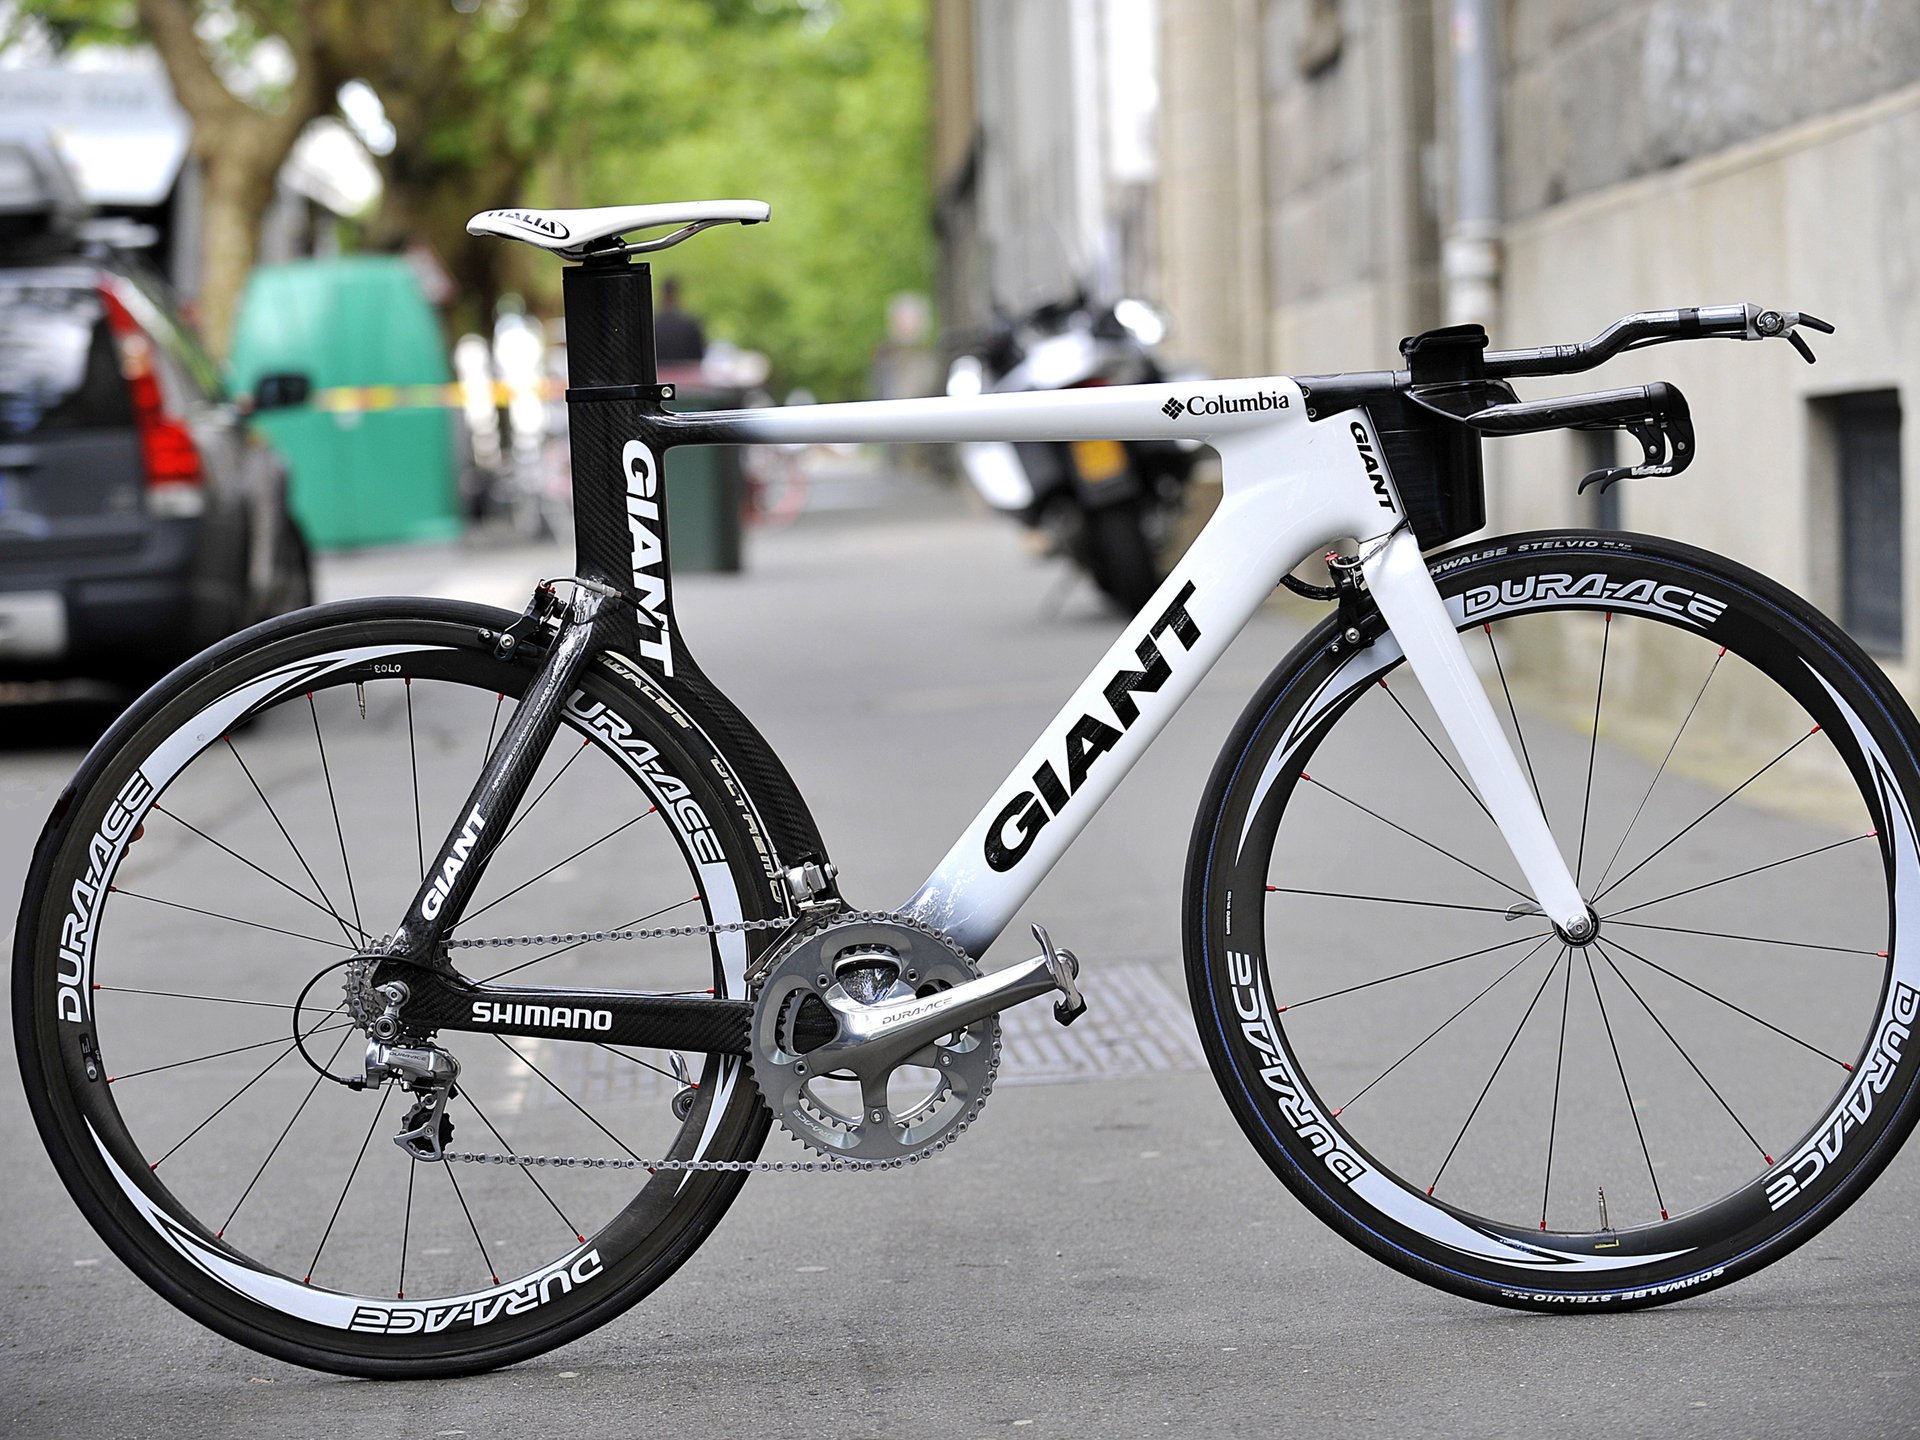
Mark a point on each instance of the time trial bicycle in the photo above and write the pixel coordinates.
(399, 1108)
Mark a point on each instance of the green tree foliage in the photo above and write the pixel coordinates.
(818, 106)
(820, 109)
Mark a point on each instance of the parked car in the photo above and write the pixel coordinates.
(141, 518)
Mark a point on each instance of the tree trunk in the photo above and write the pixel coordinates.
(240, 150)
(237, 188)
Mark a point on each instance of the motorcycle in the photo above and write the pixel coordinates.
(1109, 506)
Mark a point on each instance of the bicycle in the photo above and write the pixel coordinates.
(559, 1154)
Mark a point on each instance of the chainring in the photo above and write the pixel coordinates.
(869, 959)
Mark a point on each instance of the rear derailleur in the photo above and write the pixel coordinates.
(424, 1069)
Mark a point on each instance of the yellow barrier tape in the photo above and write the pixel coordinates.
(359, 399)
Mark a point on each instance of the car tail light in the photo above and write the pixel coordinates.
(172, 460)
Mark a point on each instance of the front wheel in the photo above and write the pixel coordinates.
(185, 1002)
(1453, 1086)
(1119, 553)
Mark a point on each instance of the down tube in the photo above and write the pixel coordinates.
(1232, 567)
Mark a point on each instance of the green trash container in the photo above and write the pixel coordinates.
(378, 469)
(706, 492)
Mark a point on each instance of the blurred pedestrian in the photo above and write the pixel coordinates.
(677, 336)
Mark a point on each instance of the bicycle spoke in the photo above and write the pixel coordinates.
(1439, 850)
(1417, 970)
(624, 825)
(419, 844)
(1749, 939)
(648, 1064)
(1711, 995)
(566, 1097)
(406, 1229)
(526, 1170)
(1606, 946)
(187, 995)
(485, 1258)
(1626, 1089)
(628, 925)
(1593, 747)
(237, 1050)
(1385, 899)
(543, 793)
(338, 830)
(1487, 1088)
(155, 1165)
(231, 919)
(1472, 794)
(287, 835)
(1709, 810)
(281, 1138)
(1559, 1065)
(492, 726)
(386, 1093)
(1742, 874)
(323, 908)
(1614, 858)
(1544, 941)
(1501, 670)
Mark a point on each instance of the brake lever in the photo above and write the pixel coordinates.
(1771, 323)
(1666, 442)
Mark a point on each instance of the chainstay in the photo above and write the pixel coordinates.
(791, 1167)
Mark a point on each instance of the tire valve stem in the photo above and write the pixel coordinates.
(360, 690)
(1604, 1226)
(90, 1055)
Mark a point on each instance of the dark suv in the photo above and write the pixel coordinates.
(140, 517)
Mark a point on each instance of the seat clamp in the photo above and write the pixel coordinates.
(583, 394)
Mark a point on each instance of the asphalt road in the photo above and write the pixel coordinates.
(1103, 1254)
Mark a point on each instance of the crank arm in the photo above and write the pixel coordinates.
(873, 1039)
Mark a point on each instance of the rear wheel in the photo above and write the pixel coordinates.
(1120, 555)
(1476, 1101)
(180, 963)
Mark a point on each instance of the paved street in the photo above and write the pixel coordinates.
(1103, 1254)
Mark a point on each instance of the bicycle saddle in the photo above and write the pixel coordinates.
(574, 234)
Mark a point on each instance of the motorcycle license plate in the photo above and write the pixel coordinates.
(1098, 460)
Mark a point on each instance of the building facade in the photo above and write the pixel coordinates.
(1331, 175)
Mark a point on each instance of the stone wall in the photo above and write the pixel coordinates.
(1601, 91)
(1351, 232)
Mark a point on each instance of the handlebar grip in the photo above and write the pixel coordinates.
(1658, 402)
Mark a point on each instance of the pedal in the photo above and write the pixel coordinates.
(1065, 970)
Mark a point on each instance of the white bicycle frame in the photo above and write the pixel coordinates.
(1293, 484)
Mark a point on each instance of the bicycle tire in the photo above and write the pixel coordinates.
(452, 1312)
(1119, 555)
(1824, 1114)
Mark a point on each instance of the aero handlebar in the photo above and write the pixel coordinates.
(1657, 327)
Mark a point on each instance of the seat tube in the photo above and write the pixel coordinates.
(613, 413)
(1405, 593)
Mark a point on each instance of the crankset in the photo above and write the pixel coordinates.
(876, 1039)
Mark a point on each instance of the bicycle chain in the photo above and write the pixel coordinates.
(587, 937)
(578, 1162)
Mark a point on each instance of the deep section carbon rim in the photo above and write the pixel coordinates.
(255, 832)
(1455, 1085)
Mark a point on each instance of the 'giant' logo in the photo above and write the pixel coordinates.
(649, 553)
(1013, 830)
